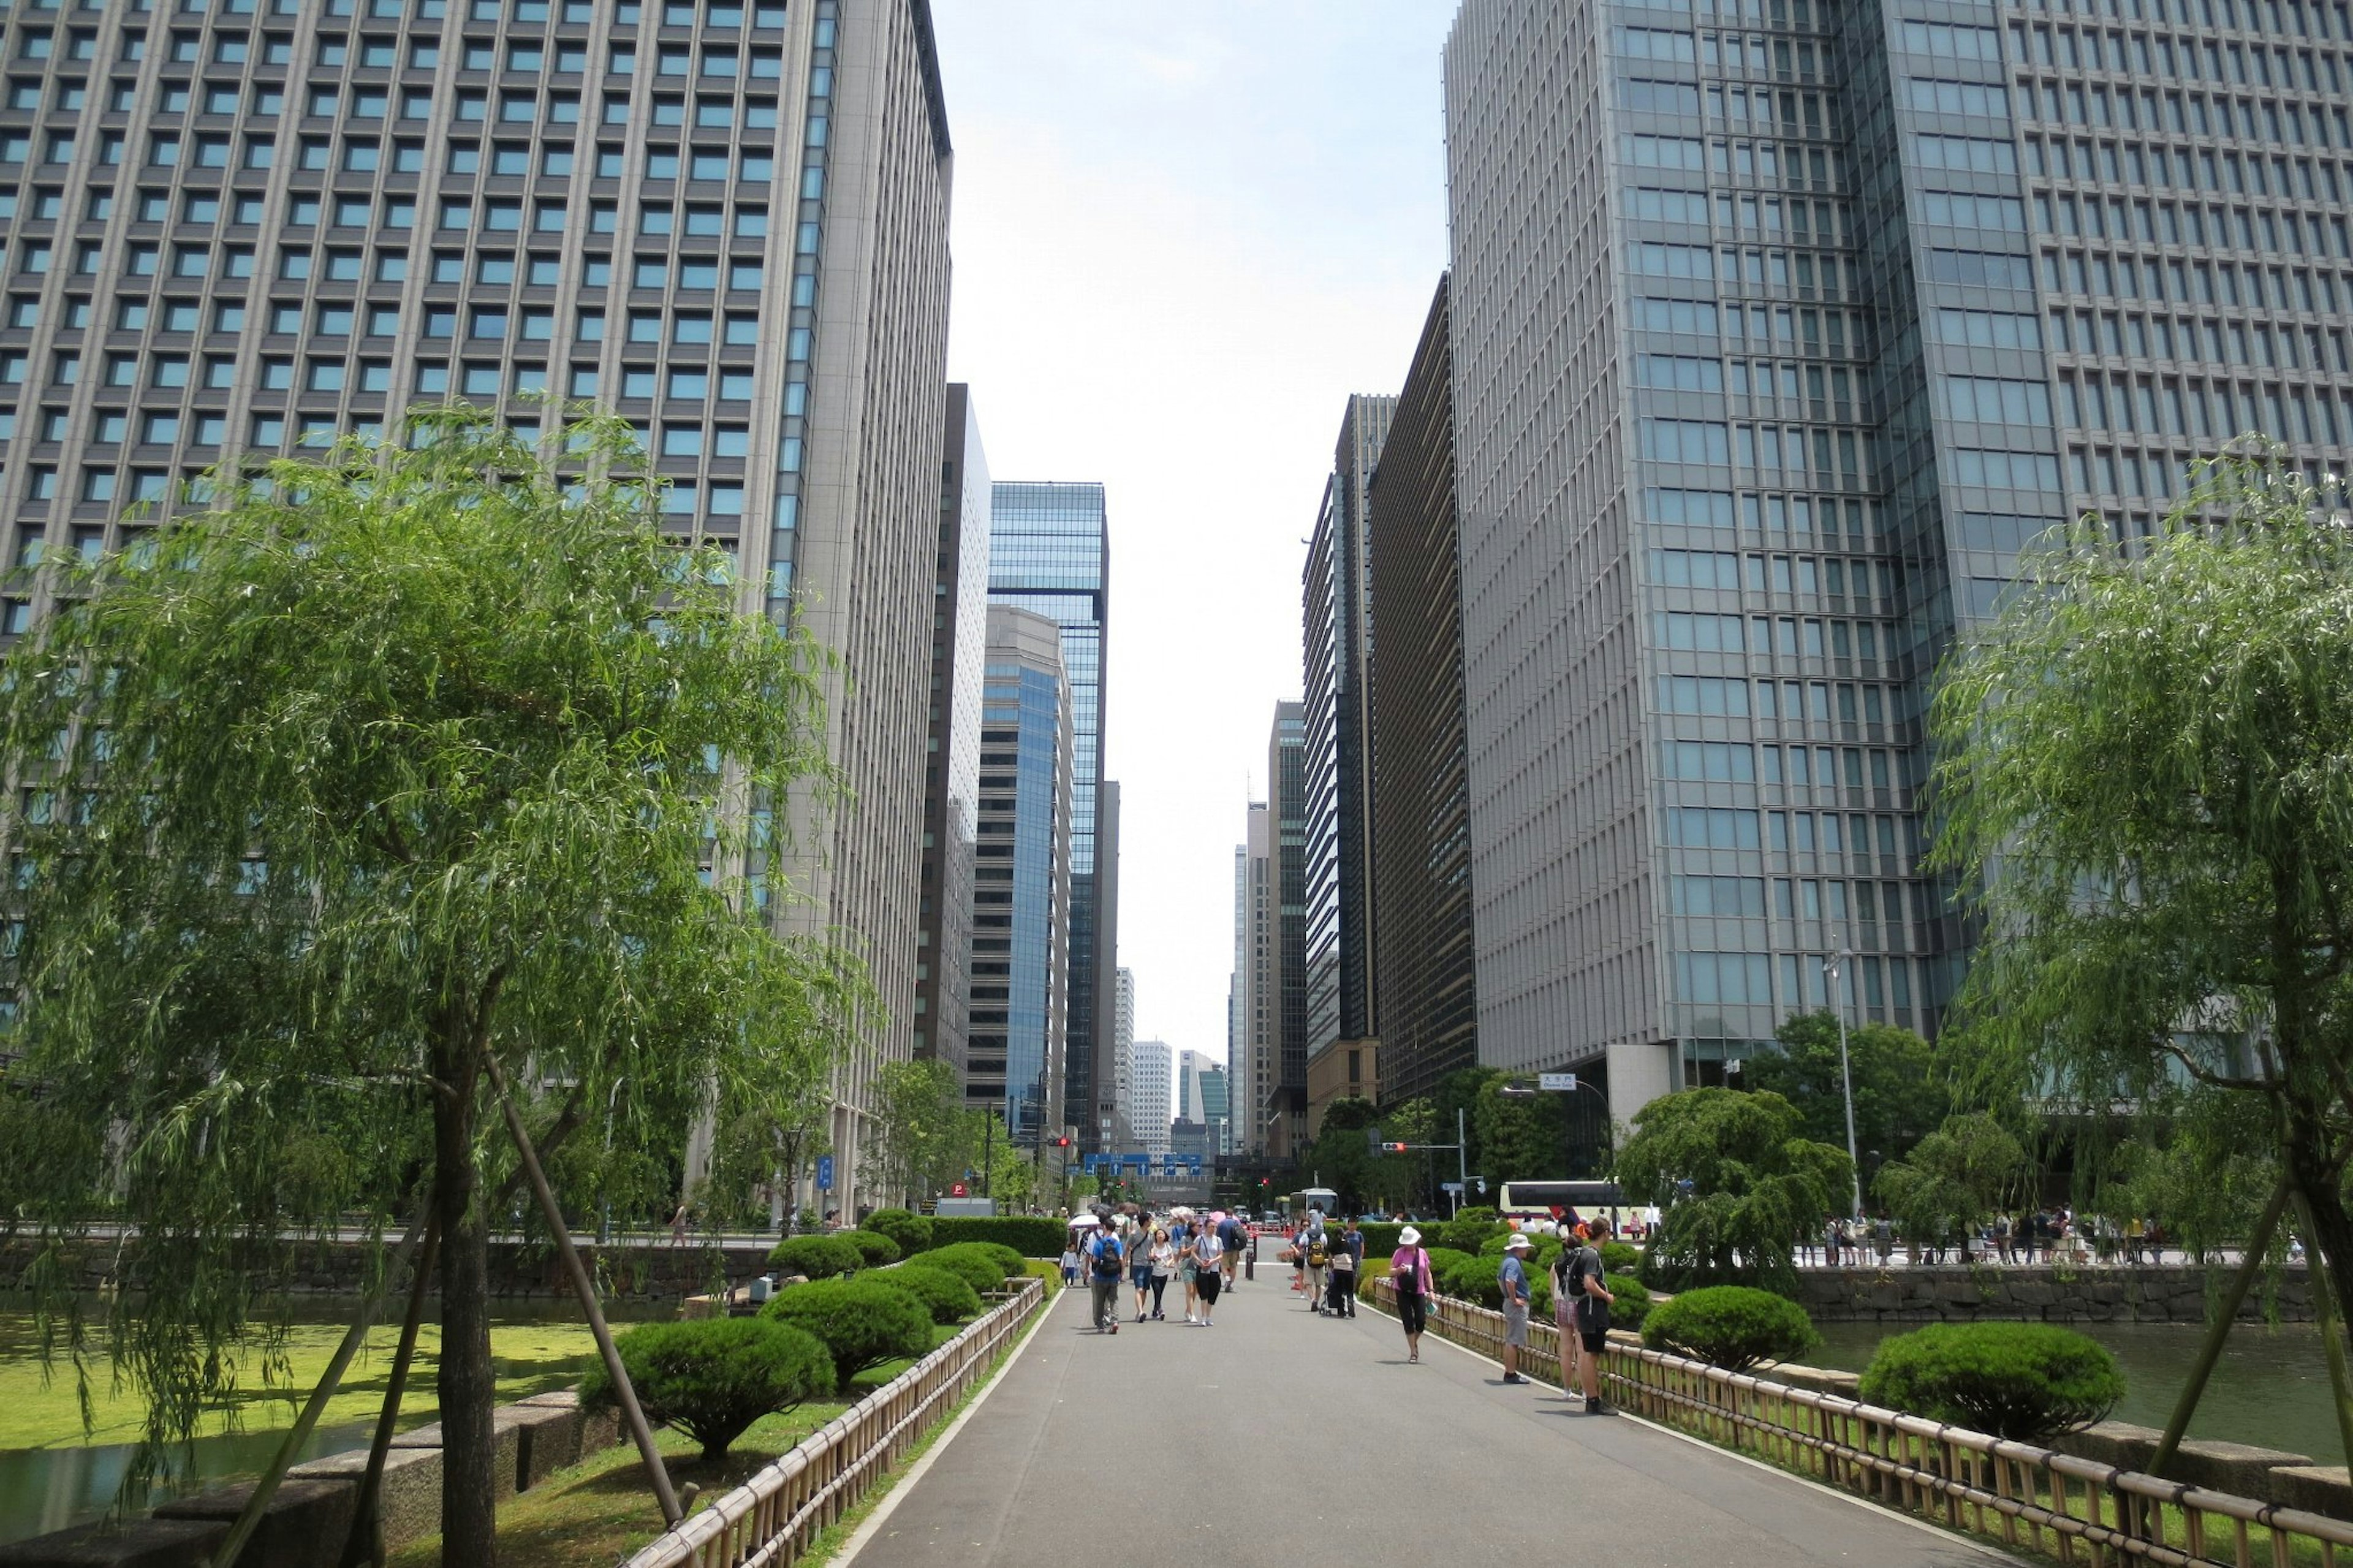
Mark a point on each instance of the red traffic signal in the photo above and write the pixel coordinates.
(1394, 1148)
(1061, 1142)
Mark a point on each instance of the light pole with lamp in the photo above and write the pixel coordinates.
(1834, 966)
(1563, 1083)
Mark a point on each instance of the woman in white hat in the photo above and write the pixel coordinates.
(1409, 1273)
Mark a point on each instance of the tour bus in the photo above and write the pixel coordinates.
(1542, 1203)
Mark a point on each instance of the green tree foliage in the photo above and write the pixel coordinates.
(2027, 1382)
(1955, 1179)
(918, 1146)
(714, 1377)
(1730, 1326)
(1520, 1137)
(381, 766)
(2145, 769)
(1899, 1094)
(862, 1322)
(1342, 1158)
(2204, 1168)
(1738, 1183)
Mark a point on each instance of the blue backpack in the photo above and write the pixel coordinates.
(1107, 1256)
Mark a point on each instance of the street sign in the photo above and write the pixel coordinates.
(956, 1190)
(825, 1173)
(1449, 1186)
(1563, 1082)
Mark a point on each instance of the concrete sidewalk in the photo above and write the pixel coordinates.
(1282, 1438)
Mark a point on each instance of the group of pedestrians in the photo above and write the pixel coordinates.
(1326, 1261)
(1203, 1253)
(2038, 1236)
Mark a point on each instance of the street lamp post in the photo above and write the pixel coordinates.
(1522, 1091)
(1834, 967)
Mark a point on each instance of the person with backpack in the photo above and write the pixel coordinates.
(1315, 1246)
(1409, 1276)
(1208, 1269)
(1579, 1274)
(1107, 1258)
(1233, 1234)
(1346, 1254)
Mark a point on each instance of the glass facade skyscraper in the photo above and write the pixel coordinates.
(1281, 1054)
(1049, 551)
(1779, 328)
(231, 229)
(1021, 878)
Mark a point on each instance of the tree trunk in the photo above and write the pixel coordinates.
(2317, 1174)
(466, 1382)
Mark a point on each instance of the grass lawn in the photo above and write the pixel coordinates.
(601, 1509)
(40, 1406)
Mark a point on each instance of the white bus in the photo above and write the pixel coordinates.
(1545, 1203)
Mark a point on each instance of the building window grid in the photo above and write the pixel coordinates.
(206, 204)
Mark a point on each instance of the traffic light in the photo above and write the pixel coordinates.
(1061, 1142)
(1393, 1148)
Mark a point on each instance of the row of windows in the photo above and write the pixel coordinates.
(2130, 333)
(1784, 574)
(1738, 763)
(1779, 327)
(2142, 54)
(2170, 405)
(1743, 898)
(2289, 18)
(628, 13)
(1766, 514)
(2184, 112)
(1790, 636)
(1783, 832)
(1789, 701)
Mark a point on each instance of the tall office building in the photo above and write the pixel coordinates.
(1204, 1097)
(1253, 1022)
(1123, 1051)
(1335, 600)
(1777, 331)
(1021, 880)
(258, 224)
(1286, 998)
(1425, 989)
(1153, 1106)
(951, 771)
(1049, 551)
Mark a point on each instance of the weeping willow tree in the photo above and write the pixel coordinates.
(2146, 774)
(385, 766)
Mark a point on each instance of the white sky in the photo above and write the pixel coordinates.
(1185, 230)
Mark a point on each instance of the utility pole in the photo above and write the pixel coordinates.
(1834, 969)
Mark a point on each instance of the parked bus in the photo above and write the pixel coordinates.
(1323, 1198)
(1542, 1203)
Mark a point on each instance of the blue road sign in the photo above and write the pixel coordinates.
(825, 1173)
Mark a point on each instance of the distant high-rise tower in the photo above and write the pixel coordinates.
(1776, 332)
(1342, 925)
(1050, 552)
(1426, 995)
(1021, 878)
(1123, 1051)
(1254, 1023)
(959, 636)
(1152, 1110)
(1286, 765)
(257, 226)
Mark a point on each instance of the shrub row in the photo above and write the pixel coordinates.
(1028, 1235)
(713, 1377)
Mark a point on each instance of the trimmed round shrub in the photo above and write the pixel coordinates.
(945, 1293)
(713, 1377)
(862, 1322)
(1467, 1232)
(818, 1257)
(976, 1270)
(1730, 1326)
(2027, 1382)
(1618, 1257)
(873, 1247)
(1470, 1278)
(1630, 1305)
(993, 1254)
(911, 1230)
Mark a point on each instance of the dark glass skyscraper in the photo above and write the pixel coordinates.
(1779, 328)
(1050, 552)
(1282, 1056)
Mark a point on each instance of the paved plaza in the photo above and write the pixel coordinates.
(1282, 1438)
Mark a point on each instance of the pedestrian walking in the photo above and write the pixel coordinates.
(1107, 1257)
(1410, 1276)
(1512, 1274)
(1318, 1249)
(1163, 1260)
(1590, 1311)
(1209, 1270)
(1235, 1236)
(1139, 1265)
(1070, 1264)
(1346, 1252)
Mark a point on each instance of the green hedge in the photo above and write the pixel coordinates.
(1380, 1239)
(863, 1322)
(1028, 1235)
(945, 1294)
(911, 1230)
(713, 1377)
(873, 1246)
(2027, 1382)
(969, 1262)
(818, 1257)
(1731, 1326)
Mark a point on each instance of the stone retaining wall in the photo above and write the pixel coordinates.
(310, 1515)
(2092, 1293)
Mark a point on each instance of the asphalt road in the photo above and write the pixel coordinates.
(1282, 1438)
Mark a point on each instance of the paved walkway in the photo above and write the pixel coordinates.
(1282, 1438)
